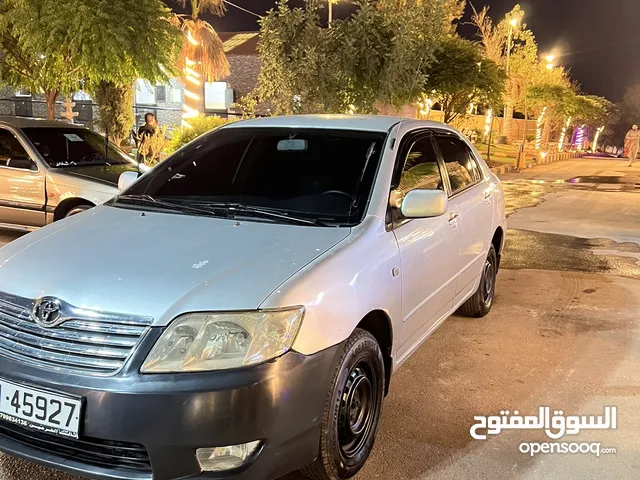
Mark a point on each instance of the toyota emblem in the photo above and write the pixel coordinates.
(47, 312)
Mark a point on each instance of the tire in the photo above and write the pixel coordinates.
(77, 209)
(479, 305)
(352, 410)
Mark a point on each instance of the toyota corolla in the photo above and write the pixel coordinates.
(238, 312)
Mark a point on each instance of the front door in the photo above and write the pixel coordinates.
(22, 187)
(429, 247)
(471, 195)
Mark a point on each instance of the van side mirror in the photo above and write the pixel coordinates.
(126, 179)
(21, 162)
(424, 204)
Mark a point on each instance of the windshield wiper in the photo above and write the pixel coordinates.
(265, 213)
(149, 200)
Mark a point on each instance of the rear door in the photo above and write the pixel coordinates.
(471, 194)
(22, 190)
(429, 247)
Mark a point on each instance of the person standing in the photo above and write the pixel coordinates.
(632, 144)
(145, 131)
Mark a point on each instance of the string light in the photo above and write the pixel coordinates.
(424, 105)
(487, 122)
(539, 129)
(191, 72)
(192, 40)
(563, 135)
(191, 95)
(597, 137)
(580, 137)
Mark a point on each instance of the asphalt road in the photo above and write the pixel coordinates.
(564, 333)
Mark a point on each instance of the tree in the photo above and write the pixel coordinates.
(202, 58)
(628, 115)
(116, 109)
(84, 41)
(375, 57)
(520, 54)
(460, 76)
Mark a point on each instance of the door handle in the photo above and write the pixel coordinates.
(487, 194)
(453, 218)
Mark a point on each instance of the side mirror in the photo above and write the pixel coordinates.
(22, 163)
(424, 204)
(126, 179)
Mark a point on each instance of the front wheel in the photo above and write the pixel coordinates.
(352, 410)
(77, 209)
(479, 305)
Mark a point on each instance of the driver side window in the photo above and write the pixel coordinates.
(421, 169)
(10, 147)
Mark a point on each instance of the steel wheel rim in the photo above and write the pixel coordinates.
(488, 283)
(358, 410)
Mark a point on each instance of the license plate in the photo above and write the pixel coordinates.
(38, 410)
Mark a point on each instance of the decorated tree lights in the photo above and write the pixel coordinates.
(563, 135)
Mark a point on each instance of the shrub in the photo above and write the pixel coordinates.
(199, 126)
(116, 109)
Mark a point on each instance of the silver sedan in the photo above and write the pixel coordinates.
(51, 169)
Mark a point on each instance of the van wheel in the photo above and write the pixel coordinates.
(352, 410)
(481, 302)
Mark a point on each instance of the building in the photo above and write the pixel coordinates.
(163, 99)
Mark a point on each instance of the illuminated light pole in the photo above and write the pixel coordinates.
(539, 128)
(597, 137)
(563, 135)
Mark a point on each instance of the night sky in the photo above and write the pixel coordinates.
(599, 39)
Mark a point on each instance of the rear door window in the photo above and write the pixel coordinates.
(461, 165)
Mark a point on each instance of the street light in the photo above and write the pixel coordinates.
(331, 2)
(514, 21)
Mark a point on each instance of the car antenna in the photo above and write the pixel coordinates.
(354, 198)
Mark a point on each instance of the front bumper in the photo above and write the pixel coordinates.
(169, 416)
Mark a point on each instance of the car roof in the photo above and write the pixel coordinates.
(21, 122)
(372, 123)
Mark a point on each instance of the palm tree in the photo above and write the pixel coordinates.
(202, 58)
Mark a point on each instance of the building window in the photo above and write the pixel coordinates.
(145, 93)
(216, 96)
(24, 106)
(161, 93)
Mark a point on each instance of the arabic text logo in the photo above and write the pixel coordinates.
(556, 426)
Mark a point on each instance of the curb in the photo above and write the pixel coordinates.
(554, 157)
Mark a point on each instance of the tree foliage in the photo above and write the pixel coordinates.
(199, 126)
(375, 57)
(53, 46)
(116, 109)
(460, 75)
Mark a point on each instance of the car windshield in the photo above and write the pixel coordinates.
(320, 174)
(73, 147)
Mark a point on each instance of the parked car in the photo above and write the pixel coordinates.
(50, 170)
(238, 311)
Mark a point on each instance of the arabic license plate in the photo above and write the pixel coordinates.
(38, 410)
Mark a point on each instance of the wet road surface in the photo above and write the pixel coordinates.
(564, 332)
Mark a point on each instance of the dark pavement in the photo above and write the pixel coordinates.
(564, 332)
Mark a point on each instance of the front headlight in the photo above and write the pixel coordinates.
(198, 342)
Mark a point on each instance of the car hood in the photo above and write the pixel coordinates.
(104, 174)
(159, 264)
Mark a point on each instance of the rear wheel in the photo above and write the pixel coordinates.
(481, 302)
(352, 410)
